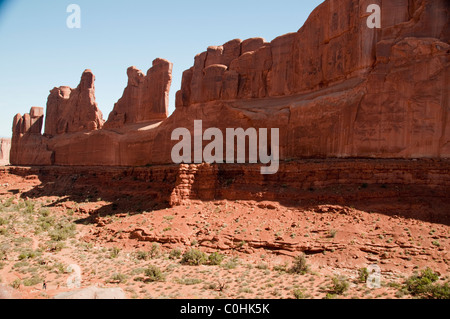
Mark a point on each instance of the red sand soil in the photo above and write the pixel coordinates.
(263, 235)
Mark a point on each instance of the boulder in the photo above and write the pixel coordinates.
(93, 292)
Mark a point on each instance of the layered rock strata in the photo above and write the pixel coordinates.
(335, 89)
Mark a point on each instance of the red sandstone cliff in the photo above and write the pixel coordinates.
(335, 88)
(146, 98)
(73, 110)
(28, 146)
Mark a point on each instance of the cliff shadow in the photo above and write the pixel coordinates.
(103, 191)
(417, 190)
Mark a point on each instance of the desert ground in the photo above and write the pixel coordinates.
(215, 249)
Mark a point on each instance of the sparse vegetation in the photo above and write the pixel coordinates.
(153, 273)
(339, 285)
(194, 257)
(175, 253)
(34, 232)
(215, 259)
(114, 252)
(62, 231)
(118, 278)
(363, 275)
(300, 265)
(424, 285)
(299, 294)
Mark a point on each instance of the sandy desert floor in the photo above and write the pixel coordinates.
(253, 246)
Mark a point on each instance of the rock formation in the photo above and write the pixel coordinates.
(73, 110)
(336, 88)
(28, 146)
(5, 148)
(146, 98)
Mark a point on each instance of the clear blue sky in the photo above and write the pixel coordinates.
(38, 52)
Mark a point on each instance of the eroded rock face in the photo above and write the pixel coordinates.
(146, 97)
(73, 110)
(28, 146)
(335, 88)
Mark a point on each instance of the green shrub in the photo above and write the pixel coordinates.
(3, 221)
(423, 285)
(115, 252)
(45, 223)
(363, 275)
(142, 255)
(55, 246)
(194, 257)
(215, 259)
(439, 291)
(175, 253)
(231, 264)
(28, 254)
(339, 285)
(32, 281)
(299, 294)
(118, 278)
(300, 265)
(154, 273)
(63, 231)
(16, 283)
(155, 251)
(189, 281)
(29, 207)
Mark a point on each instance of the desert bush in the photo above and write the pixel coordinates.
(3, 221)
(63, 231)
(339, 285)
(118, 278)
(188, 281)
(16, 283)
(194, 257)
(45, 223)
(423, 285)
(155, 251)
(215, 259)
(231, 264)
(153, 273)
(332, 233)
(28, 254)
(299, 294)
(55, 246)
(29, 207)
(142, 255)
(115, 252)
(175, 253)
(32, 281)
(300, 265)
(363, 274)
